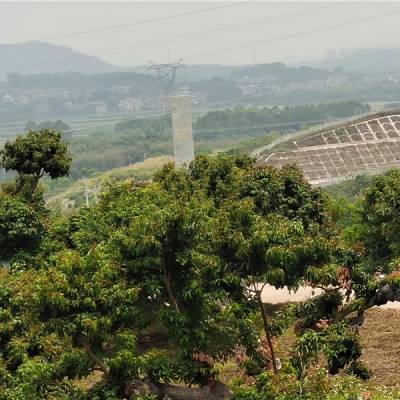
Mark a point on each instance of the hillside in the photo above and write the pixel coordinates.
(72, 194)
(39, 57)
(370, 144)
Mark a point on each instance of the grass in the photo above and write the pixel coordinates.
(139, 171)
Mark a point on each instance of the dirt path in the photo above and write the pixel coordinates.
(277, 296)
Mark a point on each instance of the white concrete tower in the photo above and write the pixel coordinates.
(181, 114)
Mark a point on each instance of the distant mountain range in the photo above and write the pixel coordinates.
(370, 60)
(39, 57)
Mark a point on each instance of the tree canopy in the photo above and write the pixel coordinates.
(155, 289)
(35, 155)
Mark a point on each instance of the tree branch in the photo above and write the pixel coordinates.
(168, 287)
(96, 360)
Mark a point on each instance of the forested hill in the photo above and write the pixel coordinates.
(39, 57)
(279, 72)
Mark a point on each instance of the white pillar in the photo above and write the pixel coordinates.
(181, 114)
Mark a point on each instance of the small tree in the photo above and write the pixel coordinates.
(32, 156)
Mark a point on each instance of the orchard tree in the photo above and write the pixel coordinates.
(21, 226)
(35, 155)
(377, 276)
(381, 216)
(164, 245)
(273, 228)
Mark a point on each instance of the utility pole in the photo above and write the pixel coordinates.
(94, 191)
(86, 194)
(166, 74)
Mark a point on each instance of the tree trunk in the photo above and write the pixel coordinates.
(168, 287)
(96, 360)
(219, 391)
(267, 332)
(383, 295)
(34, 184)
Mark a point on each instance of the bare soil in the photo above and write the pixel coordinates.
(380, 337)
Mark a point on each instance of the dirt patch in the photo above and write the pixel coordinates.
(380, 337)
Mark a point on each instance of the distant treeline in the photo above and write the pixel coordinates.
(74, 80)
(278, 116)
(59, 126)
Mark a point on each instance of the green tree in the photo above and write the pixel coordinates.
(381, 216)
(273, 228)
(35, 155)
(21, 226)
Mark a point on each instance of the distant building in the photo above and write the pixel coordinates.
(101, 107)
(130, 104)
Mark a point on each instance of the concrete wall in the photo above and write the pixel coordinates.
(367, 145)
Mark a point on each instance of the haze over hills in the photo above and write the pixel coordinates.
(40, 57)
(53, 82)
(371, 60)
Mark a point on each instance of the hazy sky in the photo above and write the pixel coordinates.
(230, 33)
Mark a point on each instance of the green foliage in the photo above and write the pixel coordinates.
(161, 281)
(36, 153)
(317, 385)
(293, 116)
(350, 189)
(59, 126)
(381, 216)
(342, 347)
(21, 226)
(32, 156)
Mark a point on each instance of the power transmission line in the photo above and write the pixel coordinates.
(294, 35)
(373, 61)
(144, 21)
(190, 36)
(166, 74)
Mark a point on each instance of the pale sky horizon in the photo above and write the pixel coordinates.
(228, 33)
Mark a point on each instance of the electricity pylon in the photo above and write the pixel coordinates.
(166, 74)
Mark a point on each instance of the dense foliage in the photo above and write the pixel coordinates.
(292, 117)
(161, 284)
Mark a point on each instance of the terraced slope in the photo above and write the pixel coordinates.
(367, 145)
